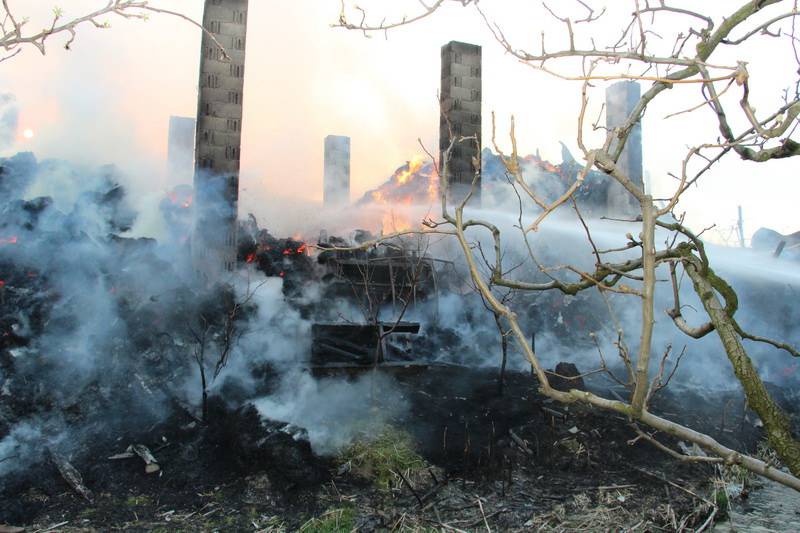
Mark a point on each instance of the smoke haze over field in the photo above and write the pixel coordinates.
(107, 297)
(110, 98)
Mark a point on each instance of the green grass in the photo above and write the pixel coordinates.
(380, 457)
(139, 501)
(333, 521)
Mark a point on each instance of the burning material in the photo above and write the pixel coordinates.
(285, 258)
(391, 307)
(417, 183)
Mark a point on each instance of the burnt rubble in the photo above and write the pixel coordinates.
(99, 347)
(103, 338)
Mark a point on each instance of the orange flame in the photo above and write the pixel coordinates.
(413, 167)
(433, 186)
(251, 258)
(393, 223)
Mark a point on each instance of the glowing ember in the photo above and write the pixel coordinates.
(28, 134)
(299, 251)
(251, 258)
(180, 198)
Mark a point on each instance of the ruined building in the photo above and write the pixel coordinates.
(337, 171)
(461, 115)
(218, 138)
(621, 98)
(180, 148)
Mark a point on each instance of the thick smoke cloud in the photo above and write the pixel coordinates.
(572, 328)
(566, 327)
(100, 328)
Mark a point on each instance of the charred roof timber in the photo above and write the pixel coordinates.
(387, 274)
(337, 171)
(219, 138)
(461, 116)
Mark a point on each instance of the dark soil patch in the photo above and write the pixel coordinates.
(527, 460)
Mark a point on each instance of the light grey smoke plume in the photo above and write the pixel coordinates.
(335, 411)
(9, 120)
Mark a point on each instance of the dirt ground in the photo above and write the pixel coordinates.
(515, 462)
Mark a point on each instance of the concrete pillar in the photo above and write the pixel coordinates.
(621, 98)
(337, 171)
(180, 148)
(461, 112)
(218, 139)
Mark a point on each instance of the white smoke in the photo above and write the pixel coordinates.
(335, 411)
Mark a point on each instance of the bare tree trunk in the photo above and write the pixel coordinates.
(504, 348)
(648, 291)
(776, 423)
(205, 392)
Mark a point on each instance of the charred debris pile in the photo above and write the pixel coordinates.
(120, 376)
(103, 338)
